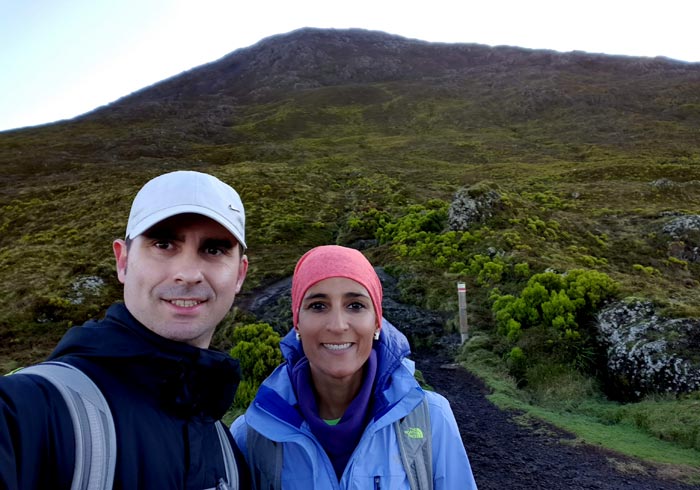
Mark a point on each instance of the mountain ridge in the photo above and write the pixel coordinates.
(311, 58)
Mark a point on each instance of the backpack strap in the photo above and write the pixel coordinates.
(265, 460)
(95, 436)
(415, 445)
(232, 482)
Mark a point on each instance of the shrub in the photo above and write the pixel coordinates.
(517, 364)
(559, 304)
(256, 346)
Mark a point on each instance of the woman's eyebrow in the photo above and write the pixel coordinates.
(315, 296)
(352, 294)
(349, 294)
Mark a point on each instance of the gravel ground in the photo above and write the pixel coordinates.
(506, 455)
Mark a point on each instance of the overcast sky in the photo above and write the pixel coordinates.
(62, 58)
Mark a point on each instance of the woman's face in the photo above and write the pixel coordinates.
(337, 324)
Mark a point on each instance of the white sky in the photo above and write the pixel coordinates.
(62, 58)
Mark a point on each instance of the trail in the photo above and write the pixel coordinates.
(506, 455)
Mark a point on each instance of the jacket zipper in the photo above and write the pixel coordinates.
(376, 483)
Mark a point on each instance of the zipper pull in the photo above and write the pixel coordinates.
(376, 483)
(222, 485)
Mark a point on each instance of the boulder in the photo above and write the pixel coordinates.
(685, 232)
(647, 353)
(472, 205)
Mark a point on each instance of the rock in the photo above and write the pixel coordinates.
(85, 287)
(647, 353)
(473, 205)
(663, 183)
(682, 226)
(685, 232)
(418, 324)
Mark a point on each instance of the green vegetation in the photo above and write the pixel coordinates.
(575, 157)
(664, 431)
(257, 348)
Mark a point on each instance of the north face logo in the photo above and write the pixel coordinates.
(414, 433)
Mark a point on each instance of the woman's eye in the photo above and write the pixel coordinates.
(356, 306)
(316, 306)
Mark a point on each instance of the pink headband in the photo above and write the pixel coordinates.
(334, 261)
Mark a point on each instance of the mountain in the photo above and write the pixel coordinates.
(618, 97)
(320, 128)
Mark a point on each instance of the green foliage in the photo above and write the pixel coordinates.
(416, 225)
(522, 270)
(365, 224)
(256, 346)
(517, 363)
(558, 304)
(646, 270)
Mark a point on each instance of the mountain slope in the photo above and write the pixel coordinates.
(316, 127)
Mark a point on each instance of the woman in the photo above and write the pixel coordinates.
(330, 417)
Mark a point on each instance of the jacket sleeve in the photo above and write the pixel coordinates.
(37, 443)
(451, 468)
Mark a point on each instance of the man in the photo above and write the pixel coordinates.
(181, 265)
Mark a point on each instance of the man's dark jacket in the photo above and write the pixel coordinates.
(164, 396)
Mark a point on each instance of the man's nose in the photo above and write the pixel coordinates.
(188, 269)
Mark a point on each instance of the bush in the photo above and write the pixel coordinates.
(256, 346)
(559, 304)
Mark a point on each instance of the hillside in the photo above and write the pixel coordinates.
(589, 166)
(325, 133)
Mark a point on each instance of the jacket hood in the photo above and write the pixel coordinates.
(189, 380)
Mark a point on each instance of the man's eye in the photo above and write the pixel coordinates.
(216, 251)
(162, 244)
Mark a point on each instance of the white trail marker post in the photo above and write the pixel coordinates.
(463, 325)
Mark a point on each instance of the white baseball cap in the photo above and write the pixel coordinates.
(187, 191)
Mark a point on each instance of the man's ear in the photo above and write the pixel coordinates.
(242, 271)
(120, 252)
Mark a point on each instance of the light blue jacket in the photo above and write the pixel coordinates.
(275, 415)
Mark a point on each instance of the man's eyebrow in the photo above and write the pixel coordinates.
(218, 242)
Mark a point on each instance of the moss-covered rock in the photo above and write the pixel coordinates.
(647, 353)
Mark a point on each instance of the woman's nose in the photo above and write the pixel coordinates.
(338, 320)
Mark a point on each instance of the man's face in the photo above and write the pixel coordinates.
(180, 277)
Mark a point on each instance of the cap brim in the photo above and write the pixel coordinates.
(164, 214)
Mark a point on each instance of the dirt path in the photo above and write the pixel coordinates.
(505, 455)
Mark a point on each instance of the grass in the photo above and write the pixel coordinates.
(663, 432)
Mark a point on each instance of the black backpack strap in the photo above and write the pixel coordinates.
(414, 437)
(95, 436)
(265, 460)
